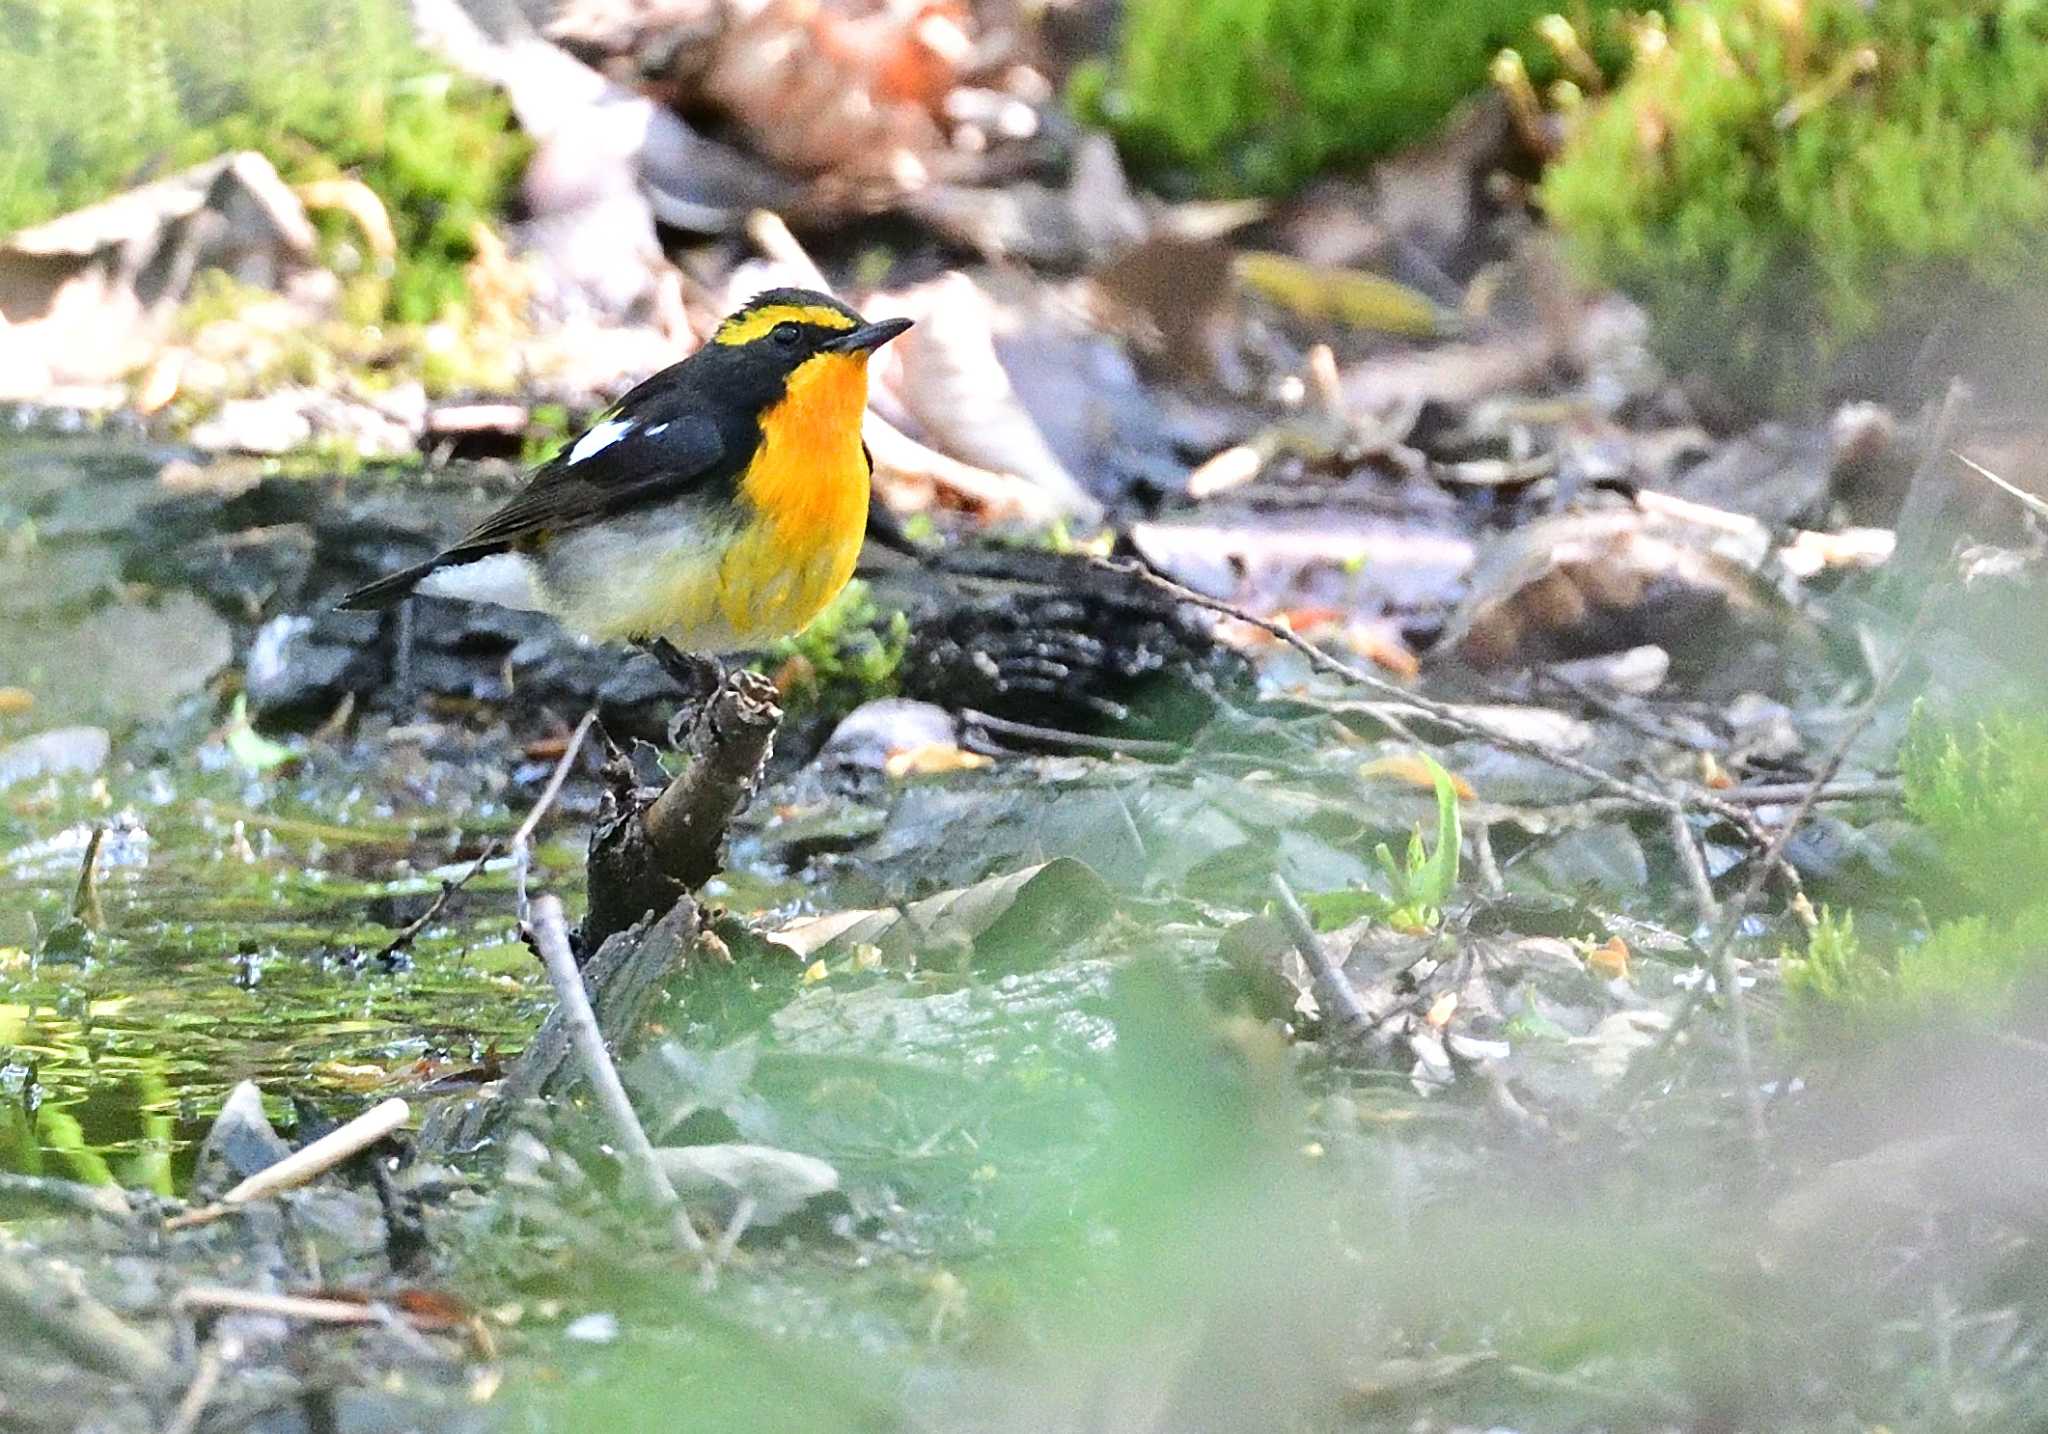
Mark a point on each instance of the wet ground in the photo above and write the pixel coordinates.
(1097, 1157)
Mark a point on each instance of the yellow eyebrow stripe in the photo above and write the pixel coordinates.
(746, 327)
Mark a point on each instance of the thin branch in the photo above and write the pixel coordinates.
(213, 1360)
(1339, 996)
(1694, 864)
(306, 1163)
(1442, 713)
(1139, 747)
(522, 840)
(1721, 953)
(551, 938)
(410, 932)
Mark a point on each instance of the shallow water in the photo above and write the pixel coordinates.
(243, 909)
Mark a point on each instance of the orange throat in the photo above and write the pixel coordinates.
(808, 487)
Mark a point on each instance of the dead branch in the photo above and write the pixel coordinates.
(522, 840)
(551, 938)
(647, 855)
(1340, 998)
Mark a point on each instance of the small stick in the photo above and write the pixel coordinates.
(551, 938)
(302, 1165)
(305, 1307)
(411, 930)
(213, 1359)
(1141, 747)
(1721, 954)
(1331, 983)
(1440, 712)
(1694, 863)
(1770, 794)
(522, 851)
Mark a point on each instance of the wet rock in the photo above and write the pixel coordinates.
(875, 731)
(61, 751)
(121, 661)
(778, 1182)
(245, 573)
(240, 1143)
(300, 668)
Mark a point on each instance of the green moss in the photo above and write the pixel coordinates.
(1777, 182)
(103, 91)
(1257, 95)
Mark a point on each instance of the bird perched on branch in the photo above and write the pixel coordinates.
(716, 507)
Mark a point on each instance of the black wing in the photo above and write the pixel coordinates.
(621, 462)
(645, 450)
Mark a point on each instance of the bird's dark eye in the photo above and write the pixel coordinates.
(787, 335)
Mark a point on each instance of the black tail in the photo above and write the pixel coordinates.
(392, 589)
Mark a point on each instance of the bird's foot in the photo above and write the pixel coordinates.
(698, 676)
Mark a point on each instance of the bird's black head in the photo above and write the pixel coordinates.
(760, 346)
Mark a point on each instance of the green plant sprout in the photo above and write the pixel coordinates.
(1422, 881)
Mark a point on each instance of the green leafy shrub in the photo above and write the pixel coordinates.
(1777, 182)
(1257, 95)
(101, 92)
(1979, 789)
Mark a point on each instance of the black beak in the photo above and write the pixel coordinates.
(866, 338)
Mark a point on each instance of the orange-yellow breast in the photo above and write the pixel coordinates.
(807, 488)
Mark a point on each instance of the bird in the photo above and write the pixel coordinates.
(718, 506)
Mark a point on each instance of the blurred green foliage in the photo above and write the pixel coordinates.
(1259, 95)
(101, 93)
(1776, 182)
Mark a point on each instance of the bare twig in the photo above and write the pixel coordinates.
(1694, 864)
(1721, 954)
(213, 1359)
(410, 932)
(306, 1163)
(2018, 494)
(1770, 794)
(311, 1308)
(551, 939)
(522, 840)
(1139, 747)
(1442, 713)
(1339, 996)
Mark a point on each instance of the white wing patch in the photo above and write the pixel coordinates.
(600, 437)
(507, 579)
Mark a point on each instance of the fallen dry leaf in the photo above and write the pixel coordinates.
(1609, 960)
(934, 759)
(1411, 770)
